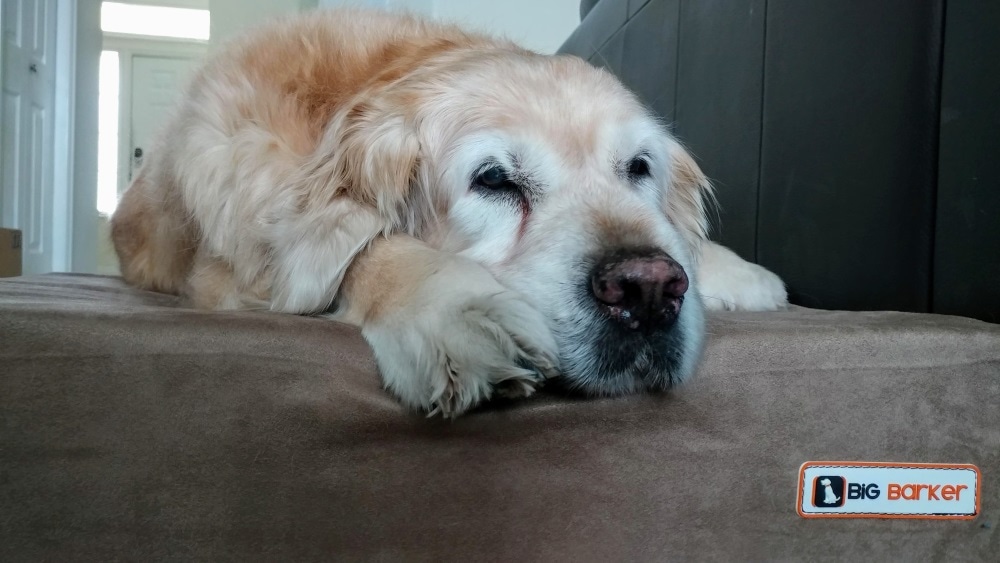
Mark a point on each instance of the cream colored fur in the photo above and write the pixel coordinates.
(324, 163)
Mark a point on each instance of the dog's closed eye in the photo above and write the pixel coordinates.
(493, 178)
(494, 181)
(638, 168)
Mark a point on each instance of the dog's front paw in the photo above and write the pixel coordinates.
(460, 340)
(726, 282)
(750, 288)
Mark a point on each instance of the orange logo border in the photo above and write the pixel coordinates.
(801, 490)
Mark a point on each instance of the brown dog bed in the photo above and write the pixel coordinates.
(131, 428)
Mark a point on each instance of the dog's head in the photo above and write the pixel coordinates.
(552, 175)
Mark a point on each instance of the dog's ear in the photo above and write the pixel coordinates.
(689, 196)
(377, 158)
(356, 186)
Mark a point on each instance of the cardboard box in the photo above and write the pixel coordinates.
(10, 253)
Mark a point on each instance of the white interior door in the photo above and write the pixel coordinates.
(156, 84)
(28, 92)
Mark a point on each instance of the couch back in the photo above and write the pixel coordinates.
(855, 146)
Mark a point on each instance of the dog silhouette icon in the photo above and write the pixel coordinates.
(828, 495)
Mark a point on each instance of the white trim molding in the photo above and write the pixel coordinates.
(87, 51)
(63, 140)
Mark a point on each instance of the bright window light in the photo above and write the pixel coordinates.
(107, 134)
(161, 21)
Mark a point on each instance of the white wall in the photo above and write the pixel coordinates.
(541, 25)
(230, 17)
(425, 7)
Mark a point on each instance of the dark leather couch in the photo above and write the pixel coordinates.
(854, 144)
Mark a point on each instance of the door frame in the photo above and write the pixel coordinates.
(63, 139)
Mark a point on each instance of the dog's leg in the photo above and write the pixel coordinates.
(152, 236)
(213, 285)
(311, 250)
(729, 283)
(445, 333)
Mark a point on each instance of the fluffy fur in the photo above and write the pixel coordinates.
(327, 165)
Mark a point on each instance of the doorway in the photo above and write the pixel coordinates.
(142, 77)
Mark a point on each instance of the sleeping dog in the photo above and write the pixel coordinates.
(491, 218)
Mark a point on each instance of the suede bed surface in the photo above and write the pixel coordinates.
(133, 429)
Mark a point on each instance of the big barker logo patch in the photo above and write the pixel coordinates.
(860, 489)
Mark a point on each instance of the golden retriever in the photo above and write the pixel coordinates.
(490, 217)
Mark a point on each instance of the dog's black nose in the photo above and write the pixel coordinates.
(642, 292)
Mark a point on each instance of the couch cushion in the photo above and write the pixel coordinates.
(132, 428)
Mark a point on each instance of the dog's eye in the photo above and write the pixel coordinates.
(494, 178)
(638, 168)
